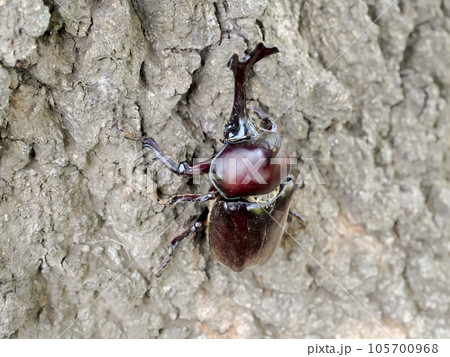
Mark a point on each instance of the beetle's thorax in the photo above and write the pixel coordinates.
(250, 167)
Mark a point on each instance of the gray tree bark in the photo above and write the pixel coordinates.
(80, 225)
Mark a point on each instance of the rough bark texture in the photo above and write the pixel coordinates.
(80, 227)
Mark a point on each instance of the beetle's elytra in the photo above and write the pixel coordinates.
(244, 233)
(251, 186)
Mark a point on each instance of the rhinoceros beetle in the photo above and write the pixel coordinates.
(251, 185)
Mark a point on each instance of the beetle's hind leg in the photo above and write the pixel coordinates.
(299, 218)
(191, 232)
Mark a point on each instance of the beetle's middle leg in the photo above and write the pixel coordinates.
(202, 197)
(270, 124)
(181, 169)
(191, 232)
(299, 218)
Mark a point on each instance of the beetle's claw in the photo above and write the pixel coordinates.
(116, 124)
(156, 272)
(173, 200)
(164, 201)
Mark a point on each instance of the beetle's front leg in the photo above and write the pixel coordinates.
(191, 232)
(181, 169)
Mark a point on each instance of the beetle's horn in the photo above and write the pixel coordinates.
(238, 126)
(241, 68)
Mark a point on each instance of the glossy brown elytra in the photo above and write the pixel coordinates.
(251, 186)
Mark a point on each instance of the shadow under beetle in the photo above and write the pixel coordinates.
(251, 186)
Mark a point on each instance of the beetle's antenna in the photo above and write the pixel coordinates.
(238, 125)
(125, 133)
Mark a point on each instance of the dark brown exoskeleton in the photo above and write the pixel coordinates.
(251, 185)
